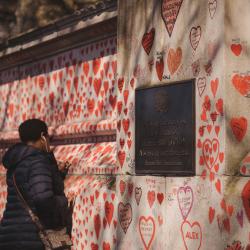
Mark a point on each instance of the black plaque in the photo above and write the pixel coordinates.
(165, 129)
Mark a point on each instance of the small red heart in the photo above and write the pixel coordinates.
(219, 106)
(230, 210)
(223, 205)
(221, 157)
(211, 214)
(159, 68)
(236, 49)
(214, 86)
(217, 130)
(120, 84)
(125, 96)
(160, 197)
(121, 157)
(218, 185)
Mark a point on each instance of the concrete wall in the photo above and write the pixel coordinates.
(165, 41)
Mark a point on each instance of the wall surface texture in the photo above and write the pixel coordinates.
(92, 89)
(165, 41)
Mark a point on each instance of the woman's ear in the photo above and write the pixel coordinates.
(43, 137)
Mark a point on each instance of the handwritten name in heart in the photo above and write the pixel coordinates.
(147, 230)
(185, 200)
(191, 235)
(201, 84)
(138, 194)
(169, 11)
(195, 36)
(125, 215)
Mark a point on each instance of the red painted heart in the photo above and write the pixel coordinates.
(169, 12)
(246, 199)
(239, 127)
(147, 40)
(210, 152)
(242, 84)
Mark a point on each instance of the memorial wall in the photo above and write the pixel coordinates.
(163, 42)
(92, 90)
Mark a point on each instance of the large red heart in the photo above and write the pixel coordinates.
(239, 127)
(147, 40)
(147, 231)
(169, 12)
(174, 60)
(191, 235)
(242, 84)
(246, 199)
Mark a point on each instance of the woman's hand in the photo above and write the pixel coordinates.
(63, 166)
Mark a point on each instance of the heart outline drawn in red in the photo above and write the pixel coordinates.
(207, 149)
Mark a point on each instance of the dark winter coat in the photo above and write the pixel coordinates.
(39, 180)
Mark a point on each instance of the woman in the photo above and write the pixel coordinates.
(41, 184)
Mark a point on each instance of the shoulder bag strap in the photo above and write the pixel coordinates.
(34, 218)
